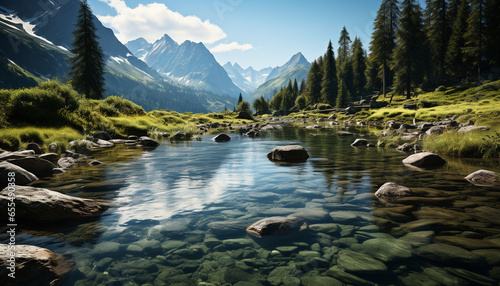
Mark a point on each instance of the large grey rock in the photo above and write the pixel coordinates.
(35, 165)
(148, 142)
(471, 128)
(22, 176)
(484, 178)
(391, 189)
(99, 143)
(102, 135)
(356, 262)
(66, 162)
(34, 266)
(359, 142)
(424, 160)
(445, 253)
(46, 206)
(276, 225)
(436, 130)
(52, 157)
(290, 153)
(221, 138)
(107, 249)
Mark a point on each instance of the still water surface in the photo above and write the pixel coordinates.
(180, 213)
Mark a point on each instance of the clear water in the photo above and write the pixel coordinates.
(180, 213)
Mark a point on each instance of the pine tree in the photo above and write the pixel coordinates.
(343, 98)
(383, 42)
(240, 99)
(409, 55)
(438, 34)
(302, 86)
(87, 70)
(344, 47)
(329, 83)
(358, 67)
(295, 89)
(373, 81)
(346, 74)
(453, 6)
(474, 36)
(313, 87)
(456, 60)
(492, 30)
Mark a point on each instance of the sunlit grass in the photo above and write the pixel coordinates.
(472, 144)
(17, 138)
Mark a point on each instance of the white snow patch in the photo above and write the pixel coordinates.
(27, 26)
(119, 60)
(129, 55)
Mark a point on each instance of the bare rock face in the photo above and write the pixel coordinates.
(34, 266)
(484, 178)
(44, 205)
(424, 160)
(276, 225)
(22, 176)
(38, 166)
(391, 189)
(290, 153)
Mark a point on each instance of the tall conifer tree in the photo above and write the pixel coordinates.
(87, 70)
(457, 60)
(475, 34)
(438, 34)
(383, 42)
(329, 84)
(492, 29)
(358, 66)
(409, 55)
(344, 47)
(313, 87)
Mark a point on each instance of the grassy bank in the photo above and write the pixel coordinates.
(54, 113)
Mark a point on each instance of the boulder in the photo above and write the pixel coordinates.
(356, 262)
(34, 266)
(132, 137)
(473, 128)
(103, 136)
(52, 157)
(22, 176)
(407, 147)
(424, 160)
(391, 189)
(178, 136)
(290, 153)
(276, 225)
(221, 138)
(38, 166)
(44, 205)
(436, 130)
(484, 178)
(99, 143)
(359, 142)
(66, 162)
(252, 133)
(148, 142)
(34, 147)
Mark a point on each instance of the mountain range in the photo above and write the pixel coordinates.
(36, 39)
(35, 44)
(189, 63)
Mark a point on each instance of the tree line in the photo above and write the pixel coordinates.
(447, 42)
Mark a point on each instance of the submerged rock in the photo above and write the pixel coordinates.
(222, 138)
(424, 160)
(445, 253)
(276, 225)
(391, 189)
(484, 178)
(290, 153)
(22, 176)
(38, 166)
(386, 249)
(35, 266)
(356, 262)
(46, 206)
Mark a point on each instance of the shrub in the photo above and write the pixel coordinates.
(123, 106)
(9, 143)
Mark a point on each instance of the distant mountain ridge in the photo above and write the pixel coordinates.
(296, 68)
(188, 63)
(247, 79)
(36, 38)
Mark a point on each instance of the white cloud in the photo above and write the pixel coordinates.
(234, 46)
(152, 21)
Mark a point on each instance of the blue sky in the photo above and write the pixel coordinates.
(254, 33)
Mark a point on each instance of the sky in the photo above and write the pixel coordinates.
(254, 33)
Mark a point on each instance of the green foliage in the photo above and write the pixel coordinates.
(261, 106)
(343, 98)
(359, 67)
(491, 145)
(471, 144)
(344, 47)
(313, 87)
(410, 55)
(301, 102)
(329, 84)
(474, 35)
(244, 110)
(456, 59)
(87, 70)
(438, 33)
(9, 143)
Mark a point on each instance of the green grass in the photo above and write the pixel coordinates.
(473, 144)
(12, 139)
